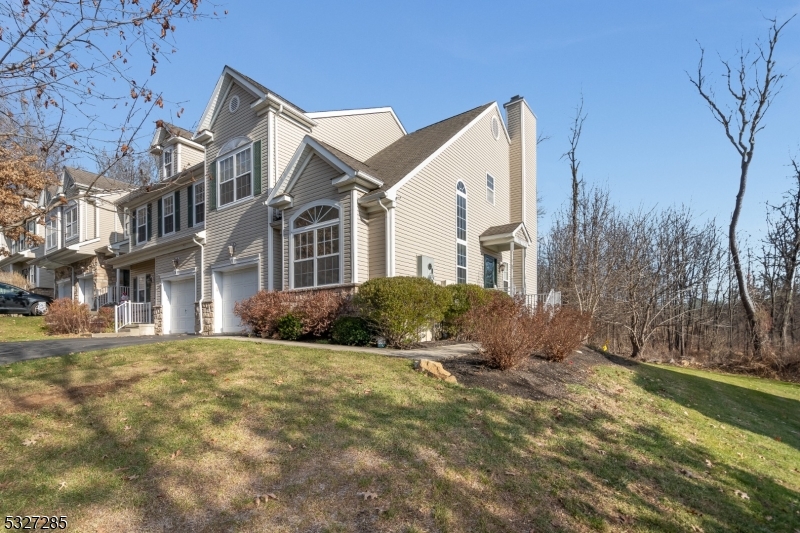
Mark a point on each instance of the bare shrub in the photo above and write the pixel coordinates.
(317, 310)
(16, 279)
(565, 332)
(66, 316)
(508, 330)
(103, 321)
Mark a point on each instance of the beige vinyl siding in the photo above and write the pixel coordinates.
(362, 226)
(376, 231)
(277, 274)
(529, 123)
(360, 136)
(425, 216)
(189, 156)
(163, 267)
(90, 227)
(245, 223)
(312, 185)
(155, 240)
(289, 136)
(515, 162)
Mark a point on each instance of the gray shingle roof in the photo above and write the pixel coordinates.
(173, 130)
(348, 160)
(503, 229)
(86, 178)
(395, 161)
(185, 177)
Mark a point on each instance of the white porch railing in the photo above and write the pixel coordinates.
(132, 313)
(110, 295)
(549, 300)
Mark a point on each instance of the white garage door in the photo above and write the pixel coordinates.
(181, 302)
(237, 285)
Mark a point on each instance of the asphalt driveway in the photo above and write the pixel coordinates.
(11, 352)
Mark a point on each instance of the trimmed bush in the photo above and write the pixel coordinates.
(398, 308)
(463, 297)
(65, 316)
(508, 330)
(565, 332)
(351, 331)
(289, 327)
(318, 311)
(261, 312)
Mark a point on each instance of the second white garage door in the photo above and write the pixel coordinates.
(181, 301)
(237, 285)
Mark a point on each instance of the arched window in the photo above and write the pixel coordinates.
(461, 233)
(316, 249)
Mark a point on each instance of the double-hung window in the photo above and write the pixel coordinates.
(141, 224)
(31, 232)
(168, 166)
(235, 177)
(461, 233)
(490, 188)
(199, 202)
(316, 250)
(51, 231)
(168, 203)
(71, 222)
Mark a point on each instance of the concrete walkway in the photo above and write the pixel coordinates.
(434, 353)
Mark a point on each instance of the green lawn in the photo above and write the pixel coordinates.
(182, 436)
(22, 328)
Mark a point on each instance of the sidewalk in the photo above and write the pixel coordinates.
(437, 353)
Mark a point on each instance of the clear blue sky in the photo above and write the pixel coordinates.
(648, 135)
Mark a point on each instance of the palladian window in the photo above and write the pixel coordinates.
(316, 248)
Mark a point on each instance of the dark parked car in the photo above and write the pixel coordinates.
(14, 300)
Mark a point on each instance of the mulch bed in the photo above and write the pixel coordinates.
(535, 378)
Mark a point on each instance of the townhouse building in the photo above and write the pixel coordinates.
(267, 196)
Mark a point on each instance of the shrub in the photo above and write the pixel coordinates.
(462, 298)
(565, 332)
(103, 321)
(16, 279)
(289, 327)
(316, 311)
(351, 331)
(508, 330)
(399, 307)
(66, 316)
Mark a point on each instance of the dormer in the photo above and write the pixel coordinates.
(174, 150)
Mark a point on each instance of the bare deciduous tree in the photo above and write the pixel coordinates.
(751, 86)
(575, 131)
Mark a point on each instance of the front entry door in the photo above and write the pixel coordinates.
(489, 272)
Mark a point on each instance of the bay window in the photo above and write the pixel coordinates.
(316, 249)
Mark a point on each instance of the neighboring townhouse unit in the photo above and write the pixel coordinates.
(21, 252)
(80, 223)
(158, 262)
(250, 135)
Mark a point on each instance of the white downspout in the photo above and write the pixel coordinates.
(202, 282)
(386, 232)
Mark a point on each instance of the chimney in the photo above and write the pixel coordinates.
(522, 187)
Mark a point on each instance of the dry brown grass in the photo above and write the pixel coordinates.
(16, 279)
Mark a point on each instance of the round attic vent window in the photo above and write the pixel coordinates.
(495, 128)
(233, 105)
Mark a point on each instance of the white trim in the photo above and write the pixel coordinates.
(392, 191)
(296, 175)
(232, 155)
(166, 302)
(353, 237)
(464, 242)
(171, 196)
(351, 112)
(290, 246)
(97, 218)
(494, 182)
(146, 224)
(216, 286)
